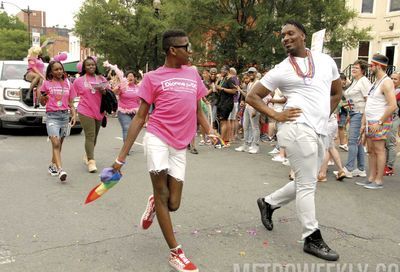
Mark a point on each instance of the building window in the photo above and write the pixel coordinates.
(394, 5)
(363, 50)
(367, 6)
(337, 57)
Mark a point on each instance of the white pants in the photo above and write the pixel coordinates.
(305, 151)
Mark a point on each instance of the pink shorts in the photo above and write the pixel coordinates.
(381, 133)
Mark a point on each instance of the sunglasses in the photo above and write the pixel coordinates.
(188, 47)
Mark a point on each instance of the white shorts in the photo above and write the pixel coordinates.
(332, 131)
(161, 156)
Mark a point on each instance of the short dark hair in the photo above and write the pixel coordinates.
(225, 68)
(130, 72)
(363, 65)
(169, 38)
(96, 72)
(296, 24)
(135, 74)
(49, 76)
(343, 76)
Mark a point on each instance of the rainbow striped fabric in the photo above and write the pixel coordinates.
(108, 179)
(381, 133)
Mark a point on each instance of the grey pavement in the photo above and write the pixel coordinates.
(45, 226)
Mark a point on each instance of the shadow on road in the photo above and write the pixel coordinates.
(23, 132)
(4, 133)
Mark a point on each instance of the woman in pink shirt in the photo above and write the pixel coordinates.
(58, 96)
(90, 87)
(35, 73)
(176, 91)
(129, 102)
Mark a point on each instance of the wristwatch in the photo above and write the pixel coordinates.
(380, 123)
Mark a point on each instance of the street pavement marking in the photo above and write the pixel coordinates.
(5, 256)
(136, 143)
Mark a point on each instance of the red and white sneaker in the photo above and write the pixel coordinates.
(149, 213)
(388, 171)
(178, 260)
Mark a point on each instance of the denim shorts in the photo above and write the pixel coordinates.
(342, 118)
(57, 123)
(161, 156)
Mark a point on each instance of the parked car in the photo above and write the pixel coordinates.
(15, 110)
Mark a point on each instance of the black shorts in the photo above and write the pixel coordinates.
(223, 110)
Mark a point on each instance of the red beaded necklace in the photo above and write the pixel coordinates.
(310, 71)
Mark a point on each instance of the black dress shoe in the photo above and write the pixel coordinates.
(315, 245)
(266, 213)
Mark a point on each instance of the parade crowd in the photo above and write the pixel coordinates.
(298, 107)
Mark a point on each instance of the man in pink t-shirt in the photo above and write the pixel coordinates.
(175, 90)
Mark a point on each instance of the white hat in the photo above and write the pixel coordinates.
(252, 70)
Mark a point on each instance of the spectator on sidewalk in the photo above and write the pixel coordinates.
(377, 121)
(342, 115)
(356, 95)
(391, 141)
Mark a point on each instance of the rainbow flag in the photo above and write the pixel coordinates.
(108, 179)
(216, 139)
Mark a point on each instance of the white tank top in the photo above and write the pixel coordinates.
(376, 102)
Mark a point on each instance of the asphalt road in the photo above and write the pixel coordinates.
(45, 226)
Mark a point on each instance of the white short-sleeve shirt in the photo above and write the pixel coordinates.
(357, 92)
(312, 97)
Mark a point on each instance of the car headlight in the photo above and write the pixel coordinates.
(12, 94)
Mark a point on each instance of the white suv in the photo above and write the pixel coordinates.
(15, 110)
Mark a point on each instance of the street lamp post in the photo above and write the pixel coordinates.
(28, 12)
(157, 7)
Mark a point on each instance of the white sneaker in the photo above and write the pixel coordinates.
(53, 170)
(358, 173)
(344, 147)
(273, 151)
(278, 158)
(286, 162)
(243, 148)
(254, 149)
(62, 175)
(346, 172)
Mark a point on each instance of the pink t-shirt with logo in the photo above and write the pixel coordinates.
(89, 99)
(59, 94)
(129, 99)
(174, 92)
(37, 63)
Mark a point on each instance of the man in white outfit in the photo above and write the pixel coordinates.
(311, 83)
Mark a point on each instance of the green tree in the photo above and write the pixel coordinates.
(247, 30)
(122, 31)
(13, 38)
(234, 32)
